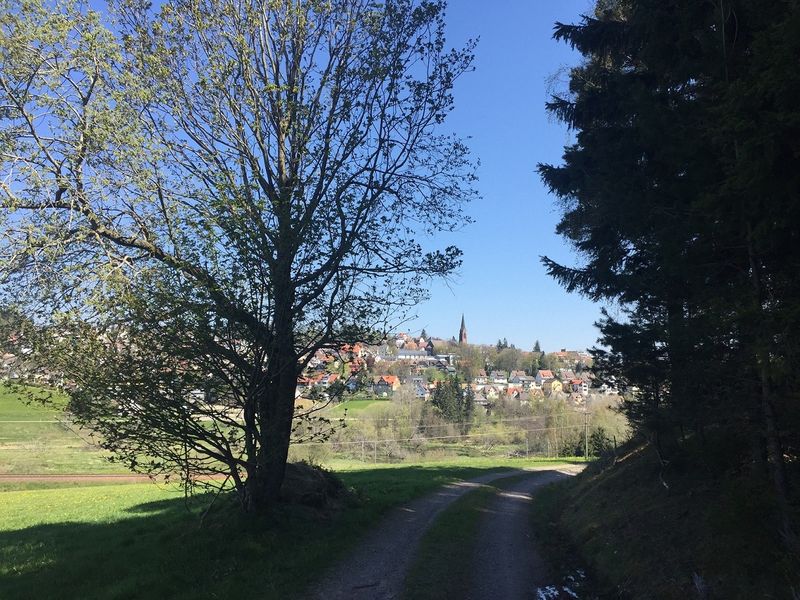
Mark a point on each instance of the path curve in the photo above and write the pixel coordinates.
(507, 563)
(376, 570)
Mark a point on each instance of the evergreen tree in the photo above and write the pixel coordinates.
(468, 412)
(681, 194)
(455, 401)
(446, 398)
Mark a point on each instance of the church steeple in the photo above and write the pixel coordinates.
(462, 333)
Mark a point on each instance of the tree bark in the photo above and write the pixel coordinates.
(772, 434)
(263, 485)
(774, 445)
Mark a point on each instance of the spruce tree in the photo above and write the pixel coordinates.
(682, 193)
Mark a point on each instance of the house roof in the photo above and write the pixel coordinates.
(403, 352)
(391, 380)
(545, 374)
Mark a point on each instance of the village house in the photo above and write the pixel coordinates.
(385, 385)
(421, 391)
(566, 375)
(552, 386)
(412, 355)
(498, 377)
(580, 386)
(491, 392)
(543, 375)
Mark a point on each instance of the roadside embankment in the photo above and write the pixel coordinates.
(704, 525)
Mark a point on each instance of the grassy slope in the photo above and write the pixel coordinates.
(640, 540)
(140, 540)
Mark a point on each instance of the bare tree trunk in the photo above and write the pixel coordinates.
(678, 360)
(263, 485)
(276, 404)
(774, 446)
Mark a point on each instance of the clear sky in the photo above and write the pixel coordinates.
(502, 288)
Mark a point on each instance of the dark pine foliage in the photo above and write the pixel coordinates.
(682, 194)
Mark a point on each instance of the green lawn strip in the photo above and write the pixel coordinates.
(443, 563)
(42, 458)
(19, 486)
(358, 408)
(139, 540)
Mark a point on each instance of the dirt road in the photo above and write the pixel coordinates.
(507, 563)
(377, 568)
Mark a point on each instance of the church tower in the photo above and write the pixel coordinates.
(462, 333)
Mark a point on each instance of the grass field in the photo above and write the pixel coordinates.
(358, 408)
(133, 540)
(63, 540)
(39, 439)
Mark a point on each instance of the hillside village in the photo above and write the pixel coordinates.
(411, 363)
(418, 363)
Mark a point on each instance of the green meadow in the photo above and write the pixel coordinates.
(358, 408)
(68, 539)
(36, 439)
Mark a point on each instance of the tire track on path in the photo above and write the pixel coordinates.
(376, 570)
(507, 563)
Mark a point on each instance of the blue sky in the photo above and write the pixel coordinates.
(502, 288)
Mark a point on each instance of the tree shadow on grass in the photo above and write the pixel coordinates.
(92, 560)
(158, 506)
(157, 549)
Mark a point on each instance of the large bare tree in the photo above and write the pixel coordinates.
(203, 196)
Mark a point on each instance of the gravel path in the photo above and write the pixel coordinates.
(507, 563)
(377, 568)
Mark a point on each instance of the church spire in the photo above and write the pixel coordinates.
(462, 333)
